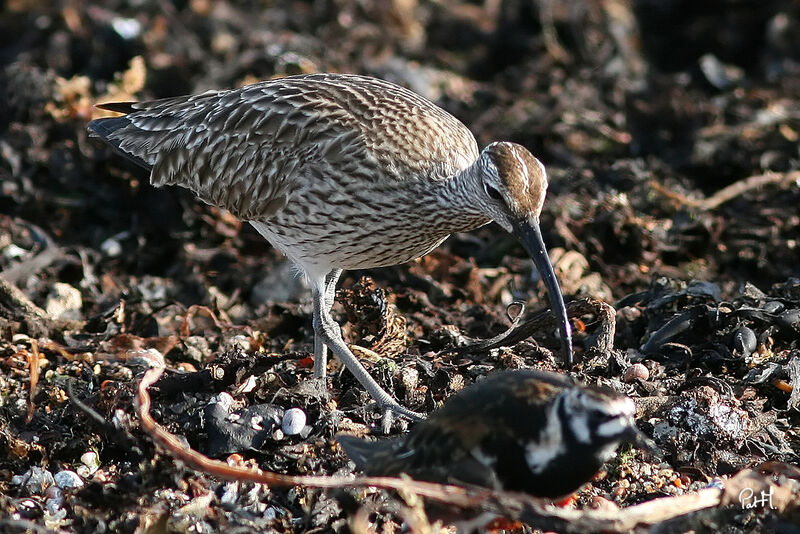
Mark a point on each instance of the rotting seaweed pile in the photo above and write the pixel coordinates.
(671, 139)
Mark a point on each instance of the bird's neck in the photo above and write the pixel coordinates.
(455, 201)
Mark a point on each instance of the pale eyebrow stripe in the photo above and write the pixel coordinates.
(522, 164)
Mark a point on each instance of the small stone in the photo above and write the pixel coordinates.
(237, 342)
(637, 371)
(744, 341)
(196, 348)
(111, 247)
(68, 479)
(225, 400)
(90, 461)
(293, 421)
(280, 285)
(790, 320)
(64, 302)
(36, 480)
(54, 500)
(409, 377)
(126, 28)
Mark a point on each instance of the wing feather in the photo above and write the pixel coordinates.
(247, 149)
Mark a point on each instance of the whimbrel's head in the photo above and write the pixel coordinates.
(515, 184)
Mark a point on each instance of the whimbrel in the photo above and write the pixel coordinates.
(339, 172)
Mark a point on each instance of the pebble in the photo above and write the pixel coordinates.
(64, 302)
(294, 420)
(111, 247)
(744, 341)
(196, 348)
(790, 319)
(237, 342)
(280, 285)
(36, 480)
(637, 371)
(409, 377)
(225, 400)
(54, 500)
(90, 461)
(126, 28)
(68, 479)
(12, 251)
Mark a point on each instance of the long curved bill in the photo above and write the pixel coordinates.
(528, 232)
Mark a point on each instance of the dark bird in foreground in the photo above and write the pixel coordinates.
(527, 431)
(339, 172)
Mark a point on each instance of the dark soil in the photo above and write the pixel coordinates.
(643, 117)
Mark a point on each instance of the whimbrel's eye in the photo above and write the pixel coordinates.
(494, 194)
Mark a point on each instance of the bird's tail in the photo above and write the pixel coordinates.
(365, 453)
(107, 128)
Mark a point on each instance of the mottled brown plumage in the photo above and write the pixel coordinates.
(338, 172)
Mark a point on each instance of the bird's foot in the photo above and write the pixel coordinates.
(404, 412)
(392, 409)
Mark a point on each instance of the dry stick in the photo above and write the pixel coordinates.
(16, 300)
(551, 43)
(648, 513)
(520, 330)
(33, 369)
(533, 511)
(193, 310)
(49, 253)
(730, 192)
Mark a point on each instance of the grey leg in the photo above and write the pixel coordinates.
(329, 332)
(320, 349)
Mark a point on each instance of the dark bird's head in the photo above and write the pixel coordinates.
(514, 183)
(593, 419)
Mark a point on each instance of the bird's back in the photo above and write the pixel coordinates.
(248, 149)
(468, 438)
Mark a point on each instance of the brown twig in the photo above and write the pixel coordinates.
(551, 42)
(46, 256)
(193, 310)
(536, 322)
(730, 192)
(33, 371)
(19, 303)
